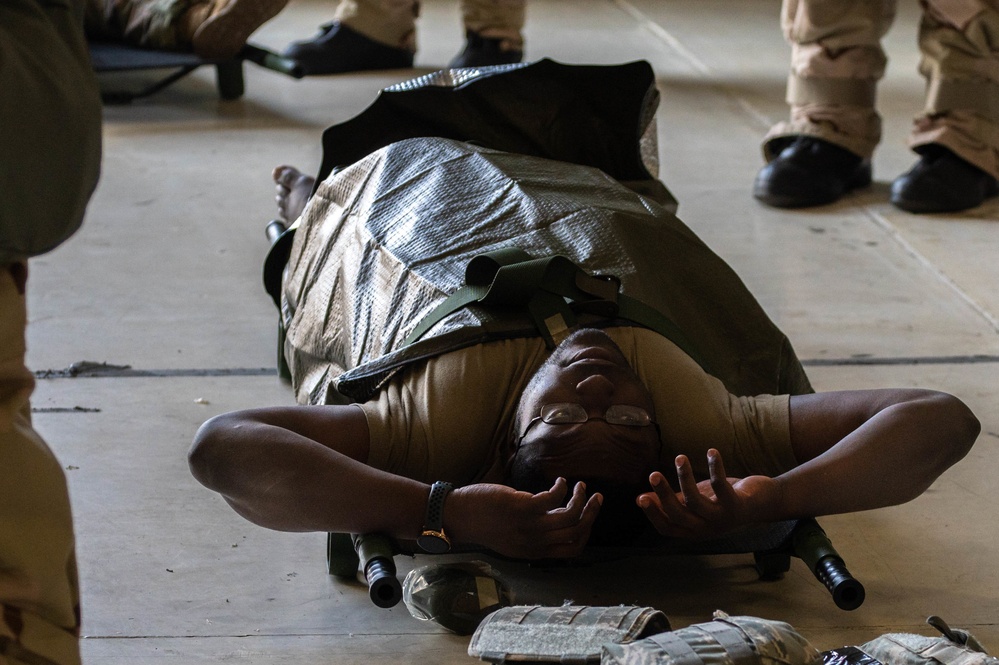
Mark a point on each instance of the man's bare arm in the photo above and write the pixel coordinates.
(857, 450)
(303, 469)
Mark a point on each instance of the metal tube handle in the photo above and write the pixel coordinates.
(376, 553)
(812, 546)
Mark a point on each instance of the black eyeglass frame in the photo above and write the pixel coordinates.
(542, 418)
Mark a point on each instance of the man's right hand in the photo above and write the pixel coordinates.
(520, 524)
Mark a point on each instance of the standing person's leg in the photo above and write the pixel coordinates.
(493, 32)
(957, 134)
(39, 593)
(824, 150)
(363, 35)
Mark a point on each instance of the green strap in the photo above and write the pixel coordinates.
(511, 278)
(479, 274)
(637, 311)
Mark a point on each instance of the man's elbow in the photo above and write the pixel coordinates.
(206, 456)
(963, 427)
(971, 427)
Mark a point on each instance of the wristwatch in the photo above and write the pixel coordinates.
(433, 539)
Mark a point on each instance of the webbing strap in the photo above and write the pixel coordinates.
(679, 651)
(731, 637)
(954, 654)
(509, 277)
(565, 614)
(546, 287)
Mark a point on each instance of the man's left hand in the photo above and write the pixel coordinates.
(708, 508)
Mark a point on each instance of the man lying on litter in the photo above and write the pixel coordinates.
(554, 406)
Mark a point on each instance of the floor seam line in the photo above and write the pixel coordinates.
(127, 372)
(895, 234)
(688, 56)
(973, 359)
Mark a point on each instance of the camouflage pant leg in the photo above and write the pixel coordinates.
(496, 19)
(959, 41)
(391, 22)
(147, 23)
(836, 62)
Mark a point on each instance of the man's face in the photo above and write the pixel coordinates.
(590, 370)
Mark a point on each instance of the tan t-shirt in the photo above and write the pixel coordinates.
(450, 418)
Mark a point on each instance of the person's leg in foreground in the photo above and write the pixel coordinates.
(957, 135)
(824, 150)
(39, 594)
(50, 142)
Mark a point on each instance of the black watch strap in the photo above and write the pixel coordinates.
(433, 539)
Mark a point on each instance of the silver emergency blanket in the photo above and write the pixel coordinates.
(595, 115)
(386, 239)
(603, 116)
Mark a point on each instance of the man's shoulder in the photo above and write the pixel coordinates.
(643, 341)
(515, 350)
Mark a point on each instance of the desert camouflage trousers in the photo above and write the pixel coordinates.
(837, 60)
(393, 22)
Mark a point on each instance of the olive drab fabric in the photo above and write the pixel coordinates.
(50, 134)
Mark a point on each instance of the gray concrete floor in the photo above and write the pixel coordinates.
(165, 278)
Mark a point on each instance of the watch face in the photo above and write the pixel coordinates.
(432, 543)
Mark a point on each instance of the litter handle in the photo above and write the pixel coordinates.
(274, 230)
(375, 552)
(812, 546)
(273, 61)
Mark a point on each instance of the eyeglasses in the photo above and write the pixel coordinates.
(570, 414)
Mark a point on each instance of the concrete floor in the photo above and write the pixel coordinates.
(165, 278)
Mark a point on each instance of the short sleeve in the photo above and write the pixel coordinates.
(450, 418)
(695, 412)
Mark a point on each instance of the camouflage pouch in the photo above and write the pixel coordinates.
(955, 647)
(724, 641)
(571, 634)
